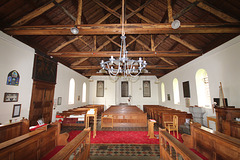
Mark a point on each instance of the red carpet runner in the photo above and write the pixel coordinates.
(119, 137)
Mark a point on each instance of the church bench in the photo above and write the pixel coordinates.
(33, 145)
(13, 130)
(125, 116)
(74, 117)
(182, 116)
(212, 144)
(171, 148)
(78, 148)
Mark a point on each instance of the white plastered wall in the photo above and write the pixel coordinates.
(64, 74)
(222, 65)
(112, 91)
(15, 56)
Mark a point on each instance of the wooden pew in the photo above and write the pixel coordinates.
(182, 116)
(13, 130)
(212, 144)
(126, 116)
(78, 148)
(32, 145)
(167, 143)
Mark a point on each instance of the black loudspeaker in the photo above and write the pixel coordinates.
(186, 89)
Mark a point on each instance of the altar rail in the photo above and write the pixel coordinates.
(212, 144)
(172, 149)
(13, 130)
(78, 148)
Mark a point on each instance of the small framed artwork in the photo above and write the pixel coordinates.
(168, 97)
(10, 97)
(59, 101)
(16, 110)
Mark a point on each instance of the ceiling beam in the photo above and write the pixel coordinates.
(35, 13)
(106, 74)
(130, 54)
(141, 43)
(103, 29)
(79, 61)
(107, 15)
(107, 8)
(139, 9)
(147, 67)
(183, 42)
(215, 12)
(65, 44)
(79, 13)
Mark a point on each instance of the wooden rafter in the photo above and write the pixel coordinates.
(107, 15)
(79, 13)
(104, 29)
(169, 61)
(147, 67)
(140, 16)
(79, 61)
(65, 10)
(133, 40)
(110, 39)
(105, 43)
(214, 11)
(141, 43)
(139, 9)
(130, 54)
(107, 8)
(35, 13)
(89, 74)
(183, 42)
(169, 6)
(65, 44)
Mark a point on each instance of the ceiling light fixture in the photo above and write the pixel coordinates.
(74, 30)
(176, 24)
(123, 65)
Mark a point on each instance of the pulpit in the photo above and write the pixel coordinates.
(151, 128)
(227, 121)
(92, 113)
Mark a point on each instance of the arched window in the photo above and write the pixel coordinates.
(84, 92)
(163, 92)
(71, 91)
(203, 92)
(176, 91)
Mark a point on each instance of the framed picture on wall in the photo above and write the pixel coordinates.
(59, 101)
(10, 97)
(16, 110)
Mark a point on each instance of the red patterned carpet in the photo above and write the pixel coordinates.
(119, 137)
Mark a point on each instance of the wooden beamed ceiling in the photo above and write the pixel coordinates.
(45, 25)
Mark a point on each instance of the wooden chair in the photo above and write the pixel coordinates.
(172, 126)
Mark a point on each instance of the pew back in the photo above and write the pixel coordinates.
(33, 145)
(13, 130)
(171, 148)
(78, 148)
(212, 144)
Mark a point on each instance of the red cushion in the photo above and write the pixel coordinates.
(199, 154)
(52, 153)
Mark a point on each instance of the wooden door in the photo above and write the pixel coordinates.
(41, 102)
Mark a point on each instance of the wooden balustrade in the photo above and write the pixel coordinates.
(172, 149)
(78, 148)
